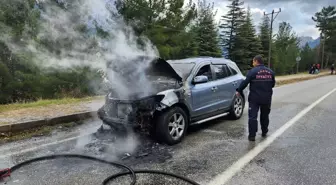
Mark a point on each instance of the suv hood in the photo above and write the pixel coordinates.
(160, 67)
(160, 76)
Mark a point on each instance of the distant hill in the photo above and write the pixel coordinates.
(311, 42)
(314, 43)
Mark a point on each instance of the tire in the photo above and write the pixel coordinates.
(168, 128)
(237, 107)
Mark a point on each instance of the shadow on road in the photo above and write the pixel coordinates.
(224, 126)
(207, 125)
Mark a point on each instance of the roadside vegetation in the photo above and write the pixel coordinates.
(43, 103)
(283, 80)
(36, 132)
(183, 30)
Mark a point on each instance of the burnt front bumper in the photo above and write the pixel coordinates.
(128, 113)
(109, 116)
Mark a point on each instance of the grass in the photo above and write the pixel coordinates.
(42, 103)
(41, 131)
(299, 79)
(301, 73)
(36, 132)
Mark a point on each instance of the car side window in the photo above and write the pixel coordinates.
(233, 71)
(205, 71)
(221, 71)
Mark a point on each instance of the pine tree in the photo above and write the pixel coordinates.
(178, 18)
(232, 20)
(286, 44)
(307, 58)
(165, 27)
(326, 23)
(247, 44)
(254, 44)
(264, 37)
(207, 38)
(191, 46)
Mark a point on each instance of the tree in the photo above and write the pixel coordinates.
(206, 32)
(264, 37)
(307, 58)
(287, 49)
(247, 44)
(231, 22)
(21, 79)
(165, 27)
(326, 23)
(5, 79)
(177, 28)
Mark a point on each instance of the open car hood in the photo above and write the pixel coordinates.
(160, 67)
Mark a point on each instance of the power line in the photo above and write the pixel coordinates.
(270, 37)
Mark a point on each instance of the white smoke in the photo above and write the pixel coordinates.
(66, 47)
(74, 34)
(107, 144)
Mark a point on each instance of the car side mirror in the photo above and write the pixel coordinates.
(200, 79)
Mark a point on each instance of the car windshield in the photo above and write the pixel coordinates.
(182, 69)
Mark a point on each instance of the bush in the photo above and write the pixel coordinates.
(22, 80)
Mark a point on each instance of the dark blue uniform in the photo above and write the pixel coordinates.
(262, 81)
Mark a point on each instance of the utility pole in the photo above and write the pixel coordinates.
(322, 38)
(298, 59)
(270, 37)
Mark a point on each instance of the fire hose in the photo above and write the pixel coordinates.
(7, 172)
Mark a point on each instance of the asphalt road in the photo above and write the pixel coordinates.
(305, 153)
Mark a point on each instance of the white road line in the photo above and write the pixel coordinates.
(42, 146)
(238, 165)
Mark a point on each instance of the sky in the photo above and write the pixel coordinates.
(297, 12)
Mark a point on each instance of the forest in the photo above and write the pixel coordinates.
(176, 29)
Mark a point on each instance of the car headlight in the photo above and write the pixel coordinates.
(124, 110)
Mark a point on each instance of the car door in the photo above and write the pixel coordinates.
(204, 96)
(235, 78)
(224, 84)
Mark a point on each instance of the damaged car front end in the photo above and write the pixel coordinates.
(137, 110)
(136, 113)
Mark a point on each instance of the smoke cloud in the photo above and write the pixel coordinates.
(89, 33)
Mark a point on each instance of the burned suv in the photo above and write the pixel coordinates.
(187, 91)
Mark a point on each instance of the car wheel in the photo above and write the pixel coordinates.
(237, 107)
(171, 126)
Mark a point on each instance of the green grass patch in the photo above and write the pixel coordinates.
(36, 132)
(296, 74)
(295, 80)
(301, 73)
(42, 103)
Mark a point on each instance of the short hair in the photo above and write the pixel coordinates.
(259, 59)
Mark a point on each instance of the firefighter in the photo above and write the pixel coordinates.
(262, 81)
